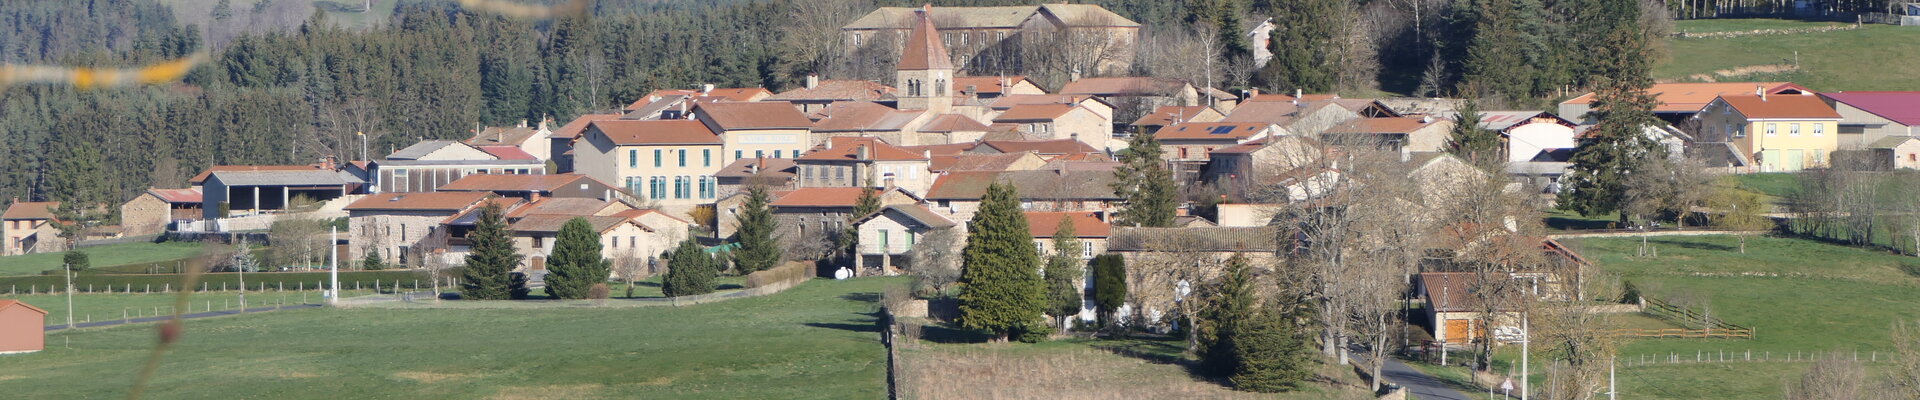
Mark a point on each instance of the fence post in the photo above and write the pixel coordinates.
(168, 288)
(123, 315)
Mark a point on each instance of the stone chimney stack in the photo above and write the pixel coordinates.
(1074, 76)
(1760, 91)
(813, 81)
(706, 89)
(860, 152)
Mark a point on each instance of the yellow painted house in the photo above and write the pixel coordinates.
(1774, 132)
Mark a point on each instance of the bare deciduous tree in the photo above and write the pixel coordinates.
(934, 261)
(1579, 344)
(1832, 377)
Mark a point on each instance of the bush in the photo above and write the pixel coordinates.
(517, 287)
(599, 291)
(1109, 286)
(792, 272)
(1629, 293)
(76, 260)
(689, 271)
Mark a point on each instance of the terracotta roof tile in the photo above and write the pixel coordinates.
(836, 90)
(1037, 185)
(820, 197)
(987, 84)
(1169, 114)
(977, 162)
(753, 115)
(1272, 112)
(1781, 106)
(924, 50)
(30, 210)
(188, 195)
(943, 149)
(1034, 112)
(863, 116)
(1212, 130)
(1011, 100)
(551, 223)
(655, 132)
(437, 201)
(1691, 96)
(515, 183)
(10, 303)
(508, 152)
(776, 168)
(1042, 147)
(848, 148)
(1086, 225)
(1383, 125)
(502, 136)
(1125, 86)
(916, 212)
(953, 123)
(202, 177)
(573, 129)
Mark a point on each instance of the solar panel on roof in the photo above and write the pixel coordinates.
(1222, 130)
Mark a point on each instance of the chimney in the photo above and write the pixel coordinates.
(1074, 76)
(860, 152)
(1297, 94)
(533, 196)
(523, 122)
(927, 153)
(829, 143)
(753, 168)
(1760, 91)
(706, 89)
(543, 123)
(1003, 84)
(1428, 119)
(813, 81)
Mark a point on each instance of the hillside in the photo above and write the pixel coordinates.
(1871, 57)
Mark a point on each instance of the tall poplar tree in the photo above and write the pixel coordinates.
(489, 271)
(1002, 292)
(1064, 298)
(759, 249)
(1146, 184)
(1596, 182)
(576, 264)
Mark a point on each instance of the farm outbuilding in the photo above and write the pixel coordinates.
(23, 327)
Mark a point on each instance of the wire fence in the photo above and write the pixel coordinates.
(377, 285)
(1750, 356)
(429, 300)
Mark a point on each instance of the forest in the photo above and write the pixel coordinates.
(293, 94)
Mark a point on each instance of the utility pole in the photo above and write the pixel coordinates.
(333, 273)
(1611, 392)
(69, 269)
(1526, 335)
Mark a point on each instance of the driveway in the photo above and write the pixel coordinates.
(1419, 384)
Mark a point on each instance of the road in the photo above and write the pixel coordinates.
(53, 327)
(1419, 384)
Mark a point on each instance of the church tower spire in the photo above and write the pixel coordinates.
(924, 75)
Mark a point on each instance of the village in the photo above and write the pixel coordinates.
(1312, 244)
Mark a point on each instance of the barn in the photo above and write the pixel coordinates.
(23, 327)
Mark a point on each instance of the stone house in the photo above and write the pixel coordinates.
(534, 187)
(817, 94)
(1169, 115)
(1238, 166)
(151, 211)
(667, 162)
(862, 162)
(1059, 121)
(1404, 134)
(888, 234)
(621, 235)
(563, 137)
(1021, 161)
(1537, 144)
(1187, 147)
(983, 33)
(821, 212)
(1091, 228)
(774, 173)
(28, 228)
(1059, 188)
(755, 129)
(400, 227)
(992, 87)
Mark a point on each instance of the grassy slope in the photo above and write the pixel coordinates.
(814, 341)
(1874, 57)
(1799, 295)
(99, 307)
(102, 256)
(1082, 369)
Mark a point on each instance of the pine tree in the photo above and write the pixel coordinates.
(1063, 270)
(868, 202)
(1109, 287)
(759, 249)
(489, 271)
(1596, 182)
(1230, 307)
(1146, 184)
(576, 263)
(1002, 292)
(1305, 45)
(690, 271)
(372, 261)
(1271, 354)
(1469, 142)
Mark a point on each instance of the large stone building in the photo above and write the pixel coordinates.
(993, 34)
(28, 227)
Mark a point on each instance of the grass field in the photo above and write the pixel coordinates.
(102, 256)
(101, 307)
(1799, 295)
(816, 341)
(1083, 369)
(1874, 57)
(1746, 24)
(1777, 185)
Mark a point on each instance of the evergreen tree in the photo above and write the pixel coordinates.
(1469, 142)
(1109, 287)
(576, 264)
(1230, 307)
(79, 178)
(489, 271)
(689, 271)
(1271, 353)
(1063, 271)
(1146, 184)
(1596, 182)
(1306, 46)
(759, 249)
(868, 202)
(372, 261)
(1002, 292)
(1505, 51)
(222, 10)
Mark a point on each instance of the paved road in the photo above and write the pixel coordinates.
(1421, 385)
(52, 327)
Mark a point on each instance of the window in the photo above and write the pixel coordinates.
(1183, 152)
(1734, 131)
(910, 239)
(633, 158)
(706, 157)
(1819, 129)
(683, 157)
(681, 188)
(1772, 129)
(776, 154)
(538, 243)
(839, 173)
(856, 40)
(884, 244)
(657, 158)
(633, 241)
(659, 184)
(633, 185)
(759, 154)
(1793, 130)
(1086, 250)
(736, 155)
(613, 242)
(708, 187)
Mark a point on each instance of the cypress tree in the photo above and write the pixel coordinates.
(1270, 354)
(1231, 306)
(1063, 268)
(759, 249)
(576, 264)
(1146, 184)
(1469, 142)
(489, 271)
(689, 271)
(1002, 292)
(1109, 287)
(1596, 182)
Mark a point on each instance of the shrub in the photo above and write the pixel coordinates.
(793, 272)
(689, 271)
(76, 260)
(599, 291)
(1109, 286)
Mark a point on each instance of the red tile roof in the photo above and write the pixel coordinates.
(1169, 114)
(836, 90)
(437, 201)
(573, 129)
(1043, 147)
(10, 303)
(1691, 97)
(1900, 107)
(924, 50)
(508, 152)
(953, 123)
(1085, 224)
(30, 210)
(753, 115)
(987, 84)
(821, 197)
(1011, 100)
(656, 132)
(848, 148)
(503, 136)
(202, 177)
(1034, 112)
(1790, 106)
(1211, 130)
(943, 149)
(863, 116)
(1125, 86)
(1383, 125)
(1273, 112)
(188, 195)
(976, 162)
(722, 94)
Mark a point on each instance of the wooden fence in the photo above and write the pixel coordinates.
(1714, 328)
(1682, 333)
